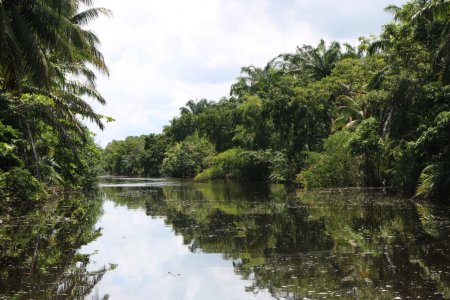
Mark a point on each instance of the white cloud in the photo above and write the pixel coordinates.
(162, 53)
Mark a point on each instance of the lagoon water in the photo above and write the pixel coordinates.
(176, 239)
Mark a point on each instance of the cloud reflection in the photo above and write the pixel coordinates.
(153, 263)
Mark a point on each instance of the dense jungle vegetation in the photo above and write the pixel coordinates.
(331, 115)
(48, 62)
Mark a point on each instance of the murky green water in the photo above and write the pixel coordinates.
(164, 239)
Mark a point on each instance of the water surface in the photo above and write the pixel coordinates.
(169, 239)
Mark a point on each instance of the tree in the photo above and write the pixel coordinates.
(34, 32)
(196, 107)
(187, 158)
(155, 148)
(45, 76)
(317, 62)
(367, 143)
(125, 157)
(433, 146)
(438, 11)
(253, 133)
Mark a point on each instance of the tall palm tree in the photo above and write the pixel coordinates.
(47, 51)
(317, 62)
(247, 83)
(196, 108)
(32, 31)
(45, 66)
(254, 80)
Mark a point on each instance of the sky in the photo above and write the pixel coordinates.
(163, 53)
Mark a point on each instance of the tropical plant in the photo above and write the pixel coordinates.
(317, 62)
(47, 67)
(38, 36)
(349, 113)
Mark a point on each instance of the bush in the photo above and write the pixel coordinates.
(336, 166)
(237, 163)
(21, 189)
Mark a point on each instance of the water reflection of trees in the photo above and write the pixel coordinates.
(347, 244)
(38, 250)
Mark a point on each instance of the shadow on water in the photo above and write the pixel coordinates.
(38, 250)
(367, 244)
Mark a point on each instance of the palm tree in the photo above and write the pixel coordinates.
(439, 11)
(196, 108)
(32, 31)
(254, 80)
(316, 62)
(45, 67)
(52, 59)
(247, 83)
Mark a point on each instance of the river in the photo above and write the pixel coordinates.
(176, 239)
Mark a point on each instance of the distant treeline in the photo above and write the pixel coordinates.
(376, 114)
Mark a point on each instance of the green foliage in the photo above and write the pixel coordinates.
(367, 143)
(187, 158)
(155, 148)
(281, 168)
(253, 132)
(434, 181)
(78, 166)
(247, 165)
(282, 119)
(433, 146)
(46, 77)
(9, 137)
(226, 164)
(219, 123)
(336, 166)
(366, 140)
(21, 190)
(125, 157)
(181, 127)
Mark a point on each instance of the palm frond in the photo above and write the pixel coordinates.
(83, 18)
(437, 10)
(35, 57)
(376, 47)
(394, 10)
(441, 65)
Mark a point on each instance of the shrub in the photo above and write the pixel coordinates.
(237, 163)
(21, 189)
(336, 166)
